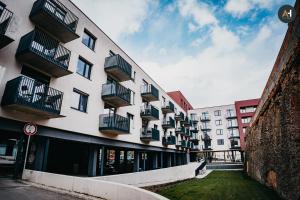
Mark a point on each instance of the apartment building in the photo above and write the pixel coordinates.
(219, 133)
(245, 110)
(96, 111)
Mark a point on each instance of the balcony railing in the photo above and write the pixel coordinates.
(149, 93)
(194, 129)
(114, 124)
(168, 123)
(235, 135)
(149, 112)
(179, 116)
(194, 118)
(232, 125)
(204, 118)
(187, 122)
(115, 95)
(184, 144)
(5, 18)
(167, 107)
(54, 17)
(169, 140)
(206, 127)
(194, 137)
(180, 130)
(230, 115)
(28, 95)
(149, 134)
(206, 137)
(44, 53)
(118, 67)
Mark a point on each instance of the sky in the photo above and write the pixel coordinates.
(214, 51)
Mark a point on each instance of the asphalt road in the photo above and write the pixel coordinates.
(14, 190)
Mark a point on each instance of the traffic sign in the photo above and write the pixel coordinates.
(30, 129)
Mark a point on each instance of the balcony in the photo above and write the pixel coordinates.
(170, 123)
(179, 116)
(180, 130)
(118, 68)
(194, 118)
(194, 129)
(233, 136)
(230, 115)
(204, 118)
(234, 143)
(149, 93)
(184, 144)
(194, 137)
(188, 133)
(30, 96)
(187, 122)
(167, 107)
(54, 17)
(149, 134)
(149, 113)
(44, 53)
(206, 137)
(232, 125)
(205, 127)
(189, 145)
(169, 140)
(113, 124)
(5, 18)
(115, 95)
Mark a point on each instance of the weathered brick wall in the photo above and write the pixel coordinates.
(273, 140)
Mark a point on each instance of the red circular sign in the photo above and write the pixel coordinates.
(30, 129)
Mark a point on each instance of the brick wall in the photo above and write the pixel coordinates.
(273, 139)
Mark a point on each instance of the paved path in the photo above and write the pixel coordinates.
(14, 190)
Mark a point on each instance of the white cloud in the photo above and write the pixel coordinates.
(200, 12)
(239, 8)
(225, 71)
(116, 17)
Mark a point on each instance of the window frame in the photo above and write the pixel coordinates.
(80, 100)
(220, 131)
(217, 113)
(91, 36)
(222, 143)
(80, 58)
(218, 124)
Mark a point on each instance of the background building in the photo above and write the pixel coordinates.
(178, 97)
(245, 110)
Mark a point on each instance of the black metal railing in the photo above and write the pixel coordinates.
(150, 89)
(150, 111)
(169, 122)
(150, 133)
(179, 116)
(114, 122)
(200, 168)
(168, 105)
(29, 92)
(194, 118)
(58, 11)
(118, 61)
(115, 89)
(169, 140)
(5, 18)
(45, 46)
(184, 143)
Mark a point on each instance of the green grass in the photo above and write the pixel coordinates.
(219, 185)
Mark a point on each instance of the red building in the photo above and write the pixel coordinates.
(245, 110)
(178, 97)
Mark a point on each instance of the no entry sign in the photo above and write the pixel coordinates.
(30, 129)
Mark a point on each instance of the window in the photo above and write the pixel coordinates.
(79, 100)
(88, 40)
(248, 109)
(244, 130)
(134, 74)
(84, 68)
(233, 131)
(36, 75)
(220, 141)
(132, 97)
(217, 112)
(246, 120)
(131, 121)
(155, 126)
(218, 122)
(219, 131)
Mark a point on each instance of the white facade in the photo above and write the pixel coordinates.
(220, 124)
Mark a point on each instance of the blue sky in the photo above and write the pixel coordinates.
(214, 51)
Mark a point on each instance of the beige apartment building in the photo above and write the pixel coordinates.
(97, 112)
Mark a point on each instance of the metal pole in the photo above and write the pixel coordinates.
(26, 154)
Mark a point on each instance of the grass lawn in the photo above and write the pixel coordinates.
(219, 185)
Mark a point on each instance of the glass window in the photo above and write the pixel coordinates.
(84, 68)
(219, 131)
(246, 120)
(88, 40)
(79, 100)
(220, 141)
(218, 122)
(217, 112)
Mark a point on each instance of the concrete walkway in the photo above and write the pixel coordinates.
(14, 190)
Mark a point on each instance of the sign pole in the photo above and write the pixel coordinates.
(26, 153)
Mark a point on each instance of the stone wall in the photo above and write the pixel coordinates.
(273, 139)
